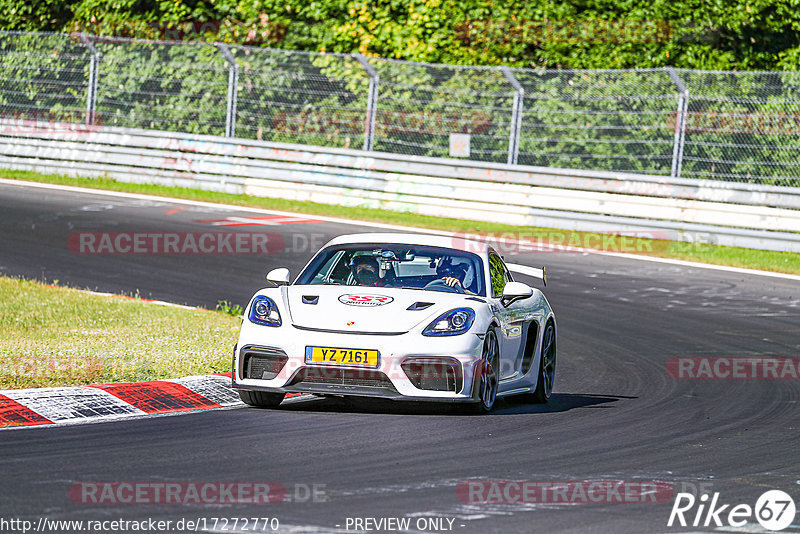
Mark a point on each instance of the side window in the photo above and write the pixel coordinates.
(497, 275)
(335, 270)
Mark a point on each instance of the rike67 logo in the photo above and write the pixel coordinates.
(774, 510)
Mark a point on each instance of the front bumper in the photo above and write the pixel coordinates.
(410, 366)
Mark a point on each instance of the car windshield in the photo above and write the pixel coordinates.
(392, 265)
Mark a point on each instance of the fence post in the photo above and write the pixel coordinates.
(233, 89)
(372, 102)
(680, 122)
(516, 116)
(91, 90)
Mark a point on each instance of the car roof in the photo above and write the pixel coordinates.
(454, 242)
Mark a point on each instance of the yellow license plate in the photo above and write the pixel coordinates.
(342, 356)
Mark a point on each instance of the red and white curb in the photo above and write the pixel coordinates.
(105, 402)
(82, 404)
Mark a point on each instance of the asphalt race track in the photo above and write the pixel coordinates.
(616, 414)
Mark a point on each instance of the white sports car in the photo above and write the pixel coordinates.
(398, 316)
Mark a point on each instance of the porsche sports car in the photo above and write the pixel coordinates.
(398, 316)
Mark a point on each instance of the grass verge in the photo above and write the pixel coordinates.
(785, 262)
(57, 336)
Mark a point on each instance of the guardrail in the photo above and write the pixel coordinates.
(746, 215)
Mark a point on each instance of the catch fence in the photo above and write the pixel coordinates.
(727, 126)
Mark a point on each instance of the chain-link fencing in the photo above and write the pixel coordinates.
(742, 126)
(43, 77)
(607, 120)
(729, 126)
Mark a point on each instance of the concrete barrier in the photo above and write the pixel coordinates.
(747, 215)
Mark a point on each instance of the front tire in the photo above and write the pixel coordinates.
(489, 375)
(261, 399)
(547, 367)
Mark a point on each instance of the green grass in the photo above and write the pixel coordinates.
(784, 262)
(57, 336)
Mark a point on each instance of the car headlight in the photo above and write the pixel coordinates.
(452, 323)
(264, 311)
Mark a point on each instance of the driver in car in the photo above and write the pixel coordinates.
(454, 275)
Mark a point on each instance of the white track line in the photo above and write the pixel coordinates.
(135, 299)
(139, 196)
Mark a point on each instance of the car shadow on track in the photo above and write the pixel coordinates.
(559, 402)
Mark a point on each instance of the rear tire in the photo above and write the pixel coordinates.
(261, 399)
(547, 367)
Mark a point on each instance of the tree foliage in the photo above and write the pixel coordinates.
(697, 34)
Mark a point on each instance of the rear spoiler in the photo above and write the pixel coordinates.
(529, 271)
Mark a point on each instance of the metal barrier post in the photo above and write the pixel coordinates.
(91, 91)
(684, 117)
(233, 82)
(372, 102)
(516, 116)
(680, 122)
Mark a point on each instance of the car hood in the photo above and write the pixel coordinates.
(368, 309)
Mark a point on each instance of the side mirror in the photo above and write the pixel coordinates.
(278, 277)
(515, 291)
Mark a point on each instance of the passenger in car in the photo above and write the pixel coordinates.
(367, 273)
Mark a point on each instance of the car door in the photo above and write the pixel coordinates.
(511, 317)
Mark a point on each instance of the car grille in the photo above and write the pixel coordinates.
(434, 374)
(344, 377)
(263, 364)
